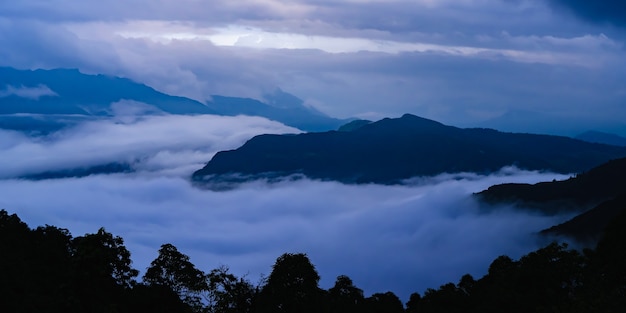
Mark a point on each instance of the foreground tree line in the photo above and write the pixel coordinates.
(47, 270)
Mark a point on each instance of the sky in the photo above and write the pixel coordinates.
(556, 65)
(403, 238)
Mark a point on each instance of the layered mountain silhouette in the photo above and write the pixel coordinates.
(46, 100)
(68, 91)
(602, 137)
(540, 122)
(600, 194)
(392, 150)
(279, 106)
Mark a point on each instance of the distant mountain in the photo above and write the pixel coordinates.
(391, 150)
(602, 137)
(537, 122)
(599, 193)
(46, 100)
(68, 91)
(529, 122)
(354, 125)
(278, 106)
(109, 168)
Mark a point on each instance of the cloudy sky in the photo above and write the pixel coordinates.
(462, 62)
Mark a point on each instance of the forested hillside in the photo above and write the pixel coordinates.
(46, 269)
(598, 195)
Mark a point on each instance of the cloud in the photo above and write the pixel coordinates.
(170, 143)
(398, 238)
(31, 43)
(455, 61)
(33, 93)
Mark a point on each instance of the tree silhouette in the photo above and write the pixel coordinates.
(344, 296)
(386, 302)
(173, 269)
(101, 267)
(104, 255)
(227, 293)
(292, 286)
(414, 305)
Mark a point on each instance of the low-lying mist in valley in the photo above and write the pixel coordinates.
(386, 238)
(163, 144)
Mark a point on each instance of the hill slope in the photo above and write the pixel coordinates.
(582, 191)
(52, 95)
(599, 193)
(68, 91)
(602, 137)
(391, 150)
(278, 106)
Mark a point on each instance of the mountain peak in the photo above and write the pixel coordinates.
(391, 150)
(407, 123)
(281, 99)
(418, 119)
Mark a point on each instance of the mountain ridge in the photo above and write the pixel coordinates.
(597, 196)
(69, 92)
(602, 137)
(391, 150)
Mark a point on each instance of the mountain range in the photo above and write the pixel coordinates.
(392, 150)
(540, 122)
(602, 137)
(46, 100)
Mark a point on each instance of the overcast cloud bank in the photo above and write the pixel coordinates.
(459, 62)
(398, 238)
(173, 144)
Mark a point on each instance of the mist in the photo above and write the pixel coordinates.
(386, 238)
(162, 144)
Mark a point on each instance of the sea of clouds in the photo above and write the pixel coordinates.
(386, 238)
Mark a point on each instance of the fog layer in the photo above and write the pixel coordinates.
(397, 238)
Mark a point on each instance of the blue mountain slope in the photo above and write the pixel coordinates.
(602, 137)
(279, 106)
(68, 91)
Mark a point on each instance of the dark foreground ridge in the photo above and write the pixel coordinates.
(600, 194)
(392, 150)
(48, 270)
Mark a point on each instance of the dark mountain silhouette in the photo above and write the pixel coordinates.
(109, 168)
(278, 106)
(599, 193)
(50, 96)
(391, 150)
(589, 226)
(354, 125)
(580, 192)
(602, 137)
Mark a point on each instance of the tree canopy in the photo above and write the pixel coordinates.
(46, 269)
